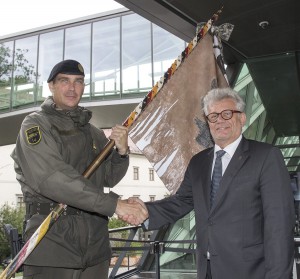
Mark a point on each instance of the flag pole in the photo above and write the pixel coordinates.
(37, 236)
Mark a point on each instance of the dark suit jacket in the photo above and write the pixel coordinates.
(249, 229)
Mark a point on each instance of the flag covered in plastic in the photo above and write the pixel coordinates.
(172, 127)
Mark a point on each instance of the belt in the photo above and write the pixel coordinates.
(45, 208)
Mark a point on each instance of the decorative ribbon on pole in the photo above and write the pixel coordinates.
(34, 240)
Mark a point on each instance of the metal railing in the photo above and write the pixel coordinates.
(145, 248)
(128, 243)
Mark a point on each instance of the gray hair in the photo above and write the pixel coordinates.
(218, 94)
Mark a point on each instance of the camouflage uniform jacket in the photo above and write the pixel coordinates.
(53, 149)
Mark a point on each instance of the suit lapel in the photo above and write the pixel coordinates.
(237, 161)
(206, 178)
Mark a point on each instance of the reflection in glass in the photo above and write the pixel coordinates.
(24, 80)
(106, 59)
(177, 262)
(244, 72)
(166, 48)
(50, 53)
(136, 55)
(256, 100)
(78, 47)
(243, 93)
(251, 132)
(6, 51)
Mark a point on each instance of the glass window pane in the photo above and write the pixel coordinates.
(50, 53)
(256, 100)
(136, 55)
(6, 52)
(78, 47)
(244, 72)
(250, 133)
(106, 59)
(243, 93)
(170, 262)
(25, 61)
(166, 48)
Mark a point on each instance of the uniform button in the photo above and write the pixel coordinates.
(210, 223)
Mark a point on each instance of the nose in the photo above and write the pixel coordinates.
(220, 118)
(72, 86)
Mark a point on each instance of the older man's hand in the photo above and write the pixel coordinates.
(131, 211)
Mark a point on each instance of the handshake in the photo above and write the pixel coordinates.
(132, 211)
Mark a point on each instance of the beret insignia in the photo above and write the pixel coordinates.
(33, 135)
(80, 68)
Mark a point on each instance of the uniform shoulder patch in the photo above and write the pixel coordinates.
(33, 135)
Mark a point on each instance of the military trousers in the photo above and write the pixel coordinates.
(99, 271)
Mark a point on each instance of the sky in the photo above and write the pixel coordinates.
(23, 15)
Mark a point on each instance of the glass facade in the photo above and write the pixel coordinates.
(6, 60)
(136, 56)
(166, 48)
(120, 60)
(180, 262)
(50, 50)
(25, 72)
(106, 65)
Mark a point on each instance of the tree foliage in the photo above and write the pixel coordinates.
(23, 71)
(9, 215)
(115, 223)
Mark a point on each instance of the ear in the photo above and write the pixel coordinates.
(243, 118)
(51, 87)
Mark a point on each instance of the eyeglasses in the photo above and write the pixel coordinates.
(226, 114)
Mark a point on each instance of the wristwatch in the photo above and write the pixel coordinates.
(124, 156)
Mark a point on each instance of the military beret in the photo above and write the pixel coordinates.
(68, 67)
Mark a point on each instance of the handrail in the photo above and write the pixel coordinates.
(152, 247)
(158, 247)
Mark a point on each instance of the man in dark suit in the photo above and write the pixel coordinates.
(244, 222)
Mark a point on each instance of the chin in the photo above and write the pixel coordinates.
(72, 104)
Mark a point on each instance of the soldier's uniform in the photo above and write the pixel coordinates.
(53, 149)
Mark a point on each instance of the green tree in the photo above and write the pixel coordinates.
(115, 223)
(9, 215)
(23, 71)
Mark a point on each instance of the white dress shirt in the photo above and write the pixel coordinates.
(229, 149)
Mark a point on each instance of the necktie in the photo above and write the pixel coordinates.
(216, 176)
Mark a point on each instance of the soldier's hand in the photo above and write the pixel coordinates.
(120, 135)
(133, 213)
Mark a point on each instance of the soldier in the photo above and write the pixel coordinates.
(53, 149)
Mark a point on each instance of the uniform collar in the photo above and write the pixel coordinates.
(80, 115)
